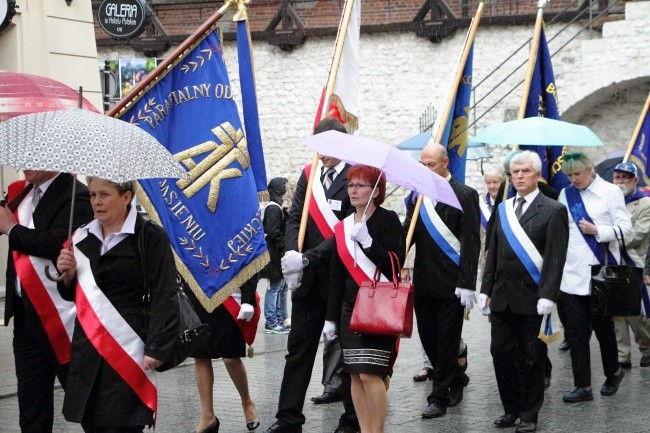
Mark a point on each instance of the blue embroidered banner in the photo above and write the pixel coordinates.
(542, 101)
(641, 149)
(212, 217)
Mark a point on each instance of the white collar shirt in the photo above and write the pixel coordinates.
(94, 227)
(529, 199)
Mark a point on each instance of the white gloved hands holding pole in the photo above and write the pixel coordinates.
(246, 312)
(544, 306)
(292, 264)
(329, 330)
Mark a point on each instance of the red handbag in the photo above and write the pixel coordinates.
(384, 307)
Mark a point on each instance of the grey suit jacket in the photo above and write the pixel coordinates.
(506, 280)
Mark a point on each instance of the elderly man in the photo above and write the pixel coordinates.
(444, 275)
(36, 223)
(520, 286)
(626, 176)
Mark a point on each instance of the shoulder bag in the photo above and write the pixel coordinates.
(616, 289)
(384, 307)
(192, 333)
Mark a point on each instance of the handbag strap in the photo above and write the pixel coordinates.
(622, 248)
(395, 270)
(146, 298)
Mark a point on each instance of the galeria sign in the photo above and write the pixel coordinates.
(123, 19)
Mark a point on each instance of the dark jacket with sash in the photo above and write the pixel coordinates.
(94, 388)
(506, 281)
(51, 219)
(434, 273)
(315, 247)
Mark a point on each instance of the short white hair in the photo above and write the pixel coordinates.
(527, 156)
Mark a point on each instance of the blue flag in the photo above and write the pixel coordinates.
(641, 148)
(456, 129)
(542, 101)
(212, 217)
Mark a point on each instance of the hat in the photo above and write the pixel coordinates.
(627, 167)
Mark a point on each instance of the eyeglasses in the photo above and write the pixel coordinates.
(357, 185)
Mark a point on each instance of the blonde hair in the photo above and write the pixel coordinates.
(575, 162)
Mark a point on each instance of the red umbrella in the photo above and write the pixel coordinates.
(25, 93)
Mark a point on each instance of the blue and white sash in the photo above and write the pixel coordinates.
(578, 212)
(486, 211)
(519, 241)
(439, 231)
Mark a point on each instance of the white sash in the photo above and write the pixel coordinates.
(528, 253)
(485, 212)
(321, 201)
(349, 251)
(439, 231)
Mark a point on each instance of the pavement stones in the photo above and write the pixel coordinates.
(627, 411)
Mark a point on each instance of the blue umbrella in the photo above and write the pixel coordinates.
(538, 131)
(475, 150)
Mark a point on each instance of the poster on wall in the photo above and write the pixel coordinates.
(127, 73)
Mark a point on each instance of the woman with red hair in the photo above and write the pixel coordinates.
(363, 241)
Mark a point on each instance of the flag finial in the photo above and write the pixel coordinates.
(241, 9)
(542, 3)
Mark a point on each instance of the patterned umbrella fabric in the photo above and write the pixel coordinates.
(83, 142)
(25, 93)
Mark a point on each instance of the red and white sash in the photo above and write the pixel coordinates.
(319, 208)
(57, 315)
(364, 268)
(110, 334)
(247, 329)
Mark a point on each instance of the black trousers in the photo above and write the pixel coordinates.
(519, 360)
(580, 323)
(307, 320)
(440, 325)
(36, 369)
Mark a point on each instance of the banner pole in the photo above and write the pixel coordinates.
(637, 129)
(469, 40)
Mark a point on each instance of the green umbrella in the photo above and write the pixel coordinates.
(538, 131)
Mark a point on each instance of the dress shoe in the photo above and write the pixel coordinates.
(577, 395)
(213, 427)
(507, 420)
(425, 374)
(434, 410)
(277, 428)
(564, 346)
(526, 427)
(645, 361)
(327, 397)
(611, 384)
(346, 429)
(625, 365)
(255, 422)
(456, 392)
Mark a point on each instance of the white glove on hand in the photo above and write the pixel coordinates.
(246, 312)
(483, 304)
(467, 297)
(544, 306)
(359, 233)
(292, 261)
(329, 330)
(293, 280)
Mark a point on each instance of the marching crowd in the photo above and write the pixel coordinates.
(106, 323)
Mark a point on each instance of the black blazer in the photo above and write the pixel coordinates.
(434, 273)
(315, 248)
(506, 280)
(51, 220)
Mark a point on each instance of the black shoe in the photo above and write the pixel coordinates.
(625, 365)
(456, 393)
(425, 374)
(564, 346)
(547, 382)
(327, 397)
(645, 361)
(345, 429)
(507, 420)
(526, 427)
(611, 384)
(213, 427)
(277, 428)
(578, 395)
(434, 410)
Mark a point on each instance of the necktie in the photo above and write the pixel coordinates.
(520, 207)
(37, 197)
(328, 178)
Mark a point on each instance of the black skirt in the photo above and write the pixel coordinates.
(365, 353)
(226, 340)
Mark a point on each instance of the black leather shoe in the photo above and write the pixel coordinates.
(507, 420)
(611, 385)
(577, 395)
(277, 428)
(456, 393)
(327, 397)
(526, 427)
(425, 374)
(564, 346)
(625, 365)
(213, 427)
(345, 429)
(434, 410)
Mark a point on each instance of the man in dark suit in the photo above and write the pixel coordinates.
(520, 285)
(444, 275)
(37, 228)
(307, 275)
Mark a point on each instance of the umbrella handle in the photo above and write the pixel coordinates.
(56, 278)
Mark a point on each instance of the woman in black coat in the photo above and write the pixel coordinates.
(119, 338)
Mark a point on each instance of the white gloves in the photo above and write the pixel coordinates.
(483, 304)
(292, 261)
(544, 306)
(359, 233)
(467, 297)
(246, 312)
(329, 330)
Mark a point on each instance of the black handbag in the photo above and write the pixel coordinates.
(193, 334)
(616, 289)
